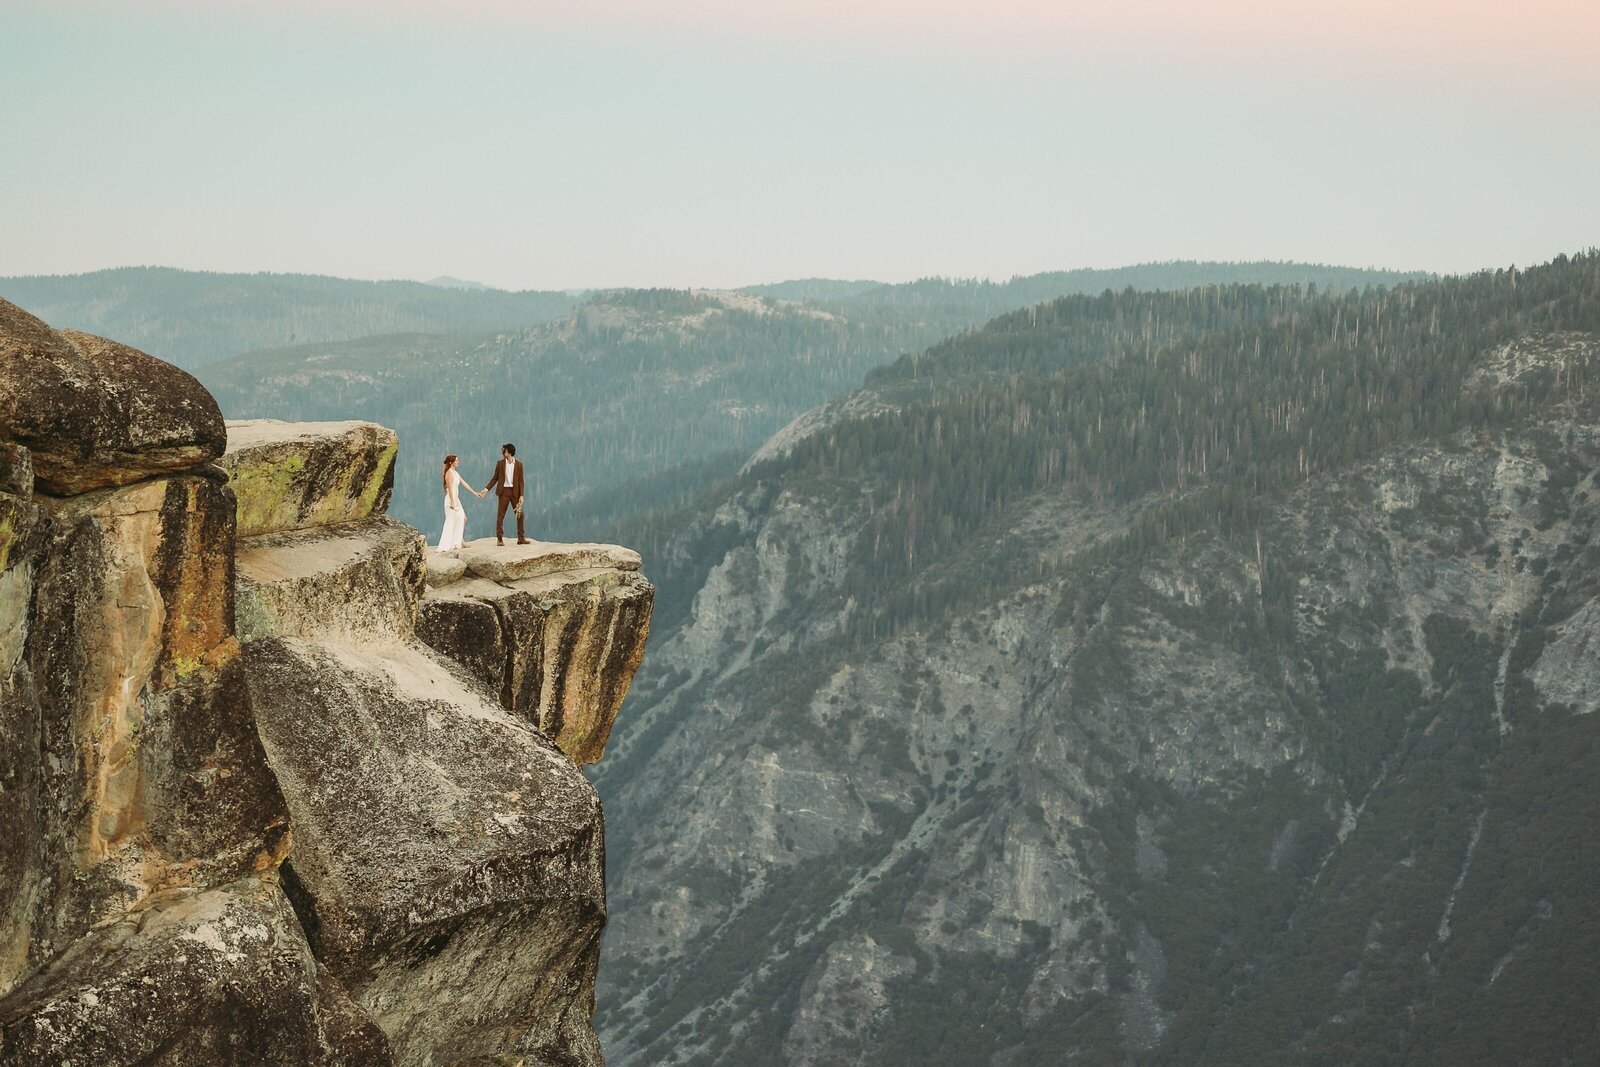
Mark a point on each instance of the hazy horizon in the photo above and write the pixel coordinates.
(536, 146)
(444, 280)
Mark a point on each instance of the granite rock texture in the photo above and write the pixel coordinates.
(120, 666)
(246, 815)
(511, 561)
(449, 860)
(294, 475)
(558, 647)
(218, 976)
(357, 578)
(94, 413)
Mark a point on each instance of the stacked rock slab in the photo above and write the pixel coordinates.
(246, 816)
(449, 859)
(553, 631)
(134, 792)
(297, 475)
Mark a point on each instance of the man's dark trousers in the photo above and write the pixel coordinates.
(507, 499)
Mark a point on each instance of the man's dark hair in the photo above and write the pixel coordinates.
(510, 449)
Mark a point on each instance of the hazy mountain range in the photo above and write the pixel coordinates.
(192, 318)
(1200, 678)
(604, 396)
(1187, 664)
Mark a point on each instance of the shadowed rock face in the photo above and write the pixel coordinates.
(295, 475)
(179, 714)
(449, 861)
(121, 669)
(95, 413)
(559, 649)
(16, 470)
(219, 976)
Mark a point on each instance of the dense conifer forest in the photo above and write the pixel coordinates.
(1208, 399)
(1413, 887)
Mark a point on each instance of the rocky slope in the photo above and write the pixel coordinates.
(248, 815)
(1127, 774)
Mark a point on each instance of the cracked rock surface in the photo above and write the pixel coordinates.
(246, 815)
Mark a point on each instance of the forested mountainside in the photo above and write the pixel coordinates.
(957, 303)
(192, 318)
(632, 383)
(635, 397)
(1192, 678)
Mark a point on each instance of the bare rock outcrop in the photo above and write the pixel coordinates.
(510, 562)
(246, 815)
(449, 860)
(94, 413)
(295, 475)
(558, 647)
(353, 579)
(218, 976)
(121, 669)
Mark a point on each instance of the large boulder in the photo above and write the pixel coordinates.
(129, 760)
(219, 977)
(357, 578)
(559, 649)
(296, 475)
(448, 861)
(94, 413)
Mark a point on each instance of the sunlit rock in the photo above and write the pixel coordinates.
(295, 475)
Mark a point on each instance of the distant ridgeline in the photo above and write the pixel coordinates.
(1196, 677)
(644, 397)
(193, 318)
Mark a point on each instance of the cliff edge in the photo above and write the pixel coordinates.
(273, 790)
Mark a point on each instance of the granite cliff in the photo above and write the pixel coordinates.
(1202, 756)
(275, 787)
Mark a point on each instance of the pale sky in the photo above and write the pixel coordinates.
(721, 143)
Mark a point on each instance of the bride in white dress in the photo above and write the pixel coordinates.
(455, 518)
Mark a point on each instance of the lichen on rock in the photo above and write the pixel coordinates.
(295, 475)
(448, 859)
(215, 976)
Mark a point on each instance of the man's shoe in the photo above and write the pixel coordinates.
(523, 541)
(500, 542)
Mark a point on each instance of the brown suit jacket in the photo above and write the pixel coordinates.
(497, 483)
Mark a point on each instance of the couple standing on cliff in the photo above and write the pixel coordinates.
(508, 486)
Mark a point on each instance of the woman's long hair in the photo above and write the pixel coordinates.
(444, 478)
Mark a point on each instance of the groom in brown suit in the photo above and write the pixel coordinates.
(507, 484)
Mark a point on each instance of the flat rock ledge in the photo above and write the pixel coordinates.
(511, 561)
(298, 475)
(350, 580)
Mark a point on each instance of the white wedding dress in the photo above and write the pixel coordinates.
(455, 517)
